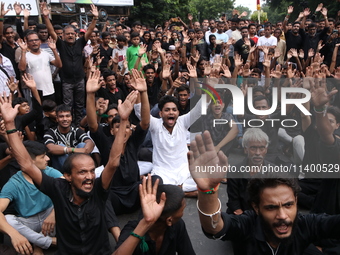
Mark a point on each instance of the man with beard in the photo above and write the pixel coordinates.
(79, 199)
(293, 36)
(273, 227)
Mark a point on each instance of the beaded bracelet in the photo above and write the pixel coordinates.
(144, 246)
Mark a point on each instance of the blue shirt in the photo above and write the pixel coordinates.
(28, 200)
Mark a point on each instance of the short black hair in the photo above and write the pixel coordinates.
(105, 34)
(257, 185)
(260, 98)
(62, 108)
(35, 148)
(57, 27)
(108, 73)
(121, 38)
(134, 35)
(49, 105)
(335, 111)
(167, 99)
(183, 88)
(149, 66)
(19, 100)
(174, 199)
(41, 27)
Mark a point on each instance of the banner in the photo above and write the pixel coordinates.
(30, 5)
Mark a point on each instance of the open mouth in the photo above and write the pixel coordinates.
(282, 229)
(88, 184)
(171, 120)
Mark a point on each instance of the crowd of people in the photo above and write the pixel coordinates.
(98, 121)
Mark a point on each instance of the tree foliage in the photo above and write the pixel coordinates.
(157, 11)
(277, 9)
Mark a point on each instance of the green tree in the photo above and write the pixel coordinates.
(153, 12)
(212, 8)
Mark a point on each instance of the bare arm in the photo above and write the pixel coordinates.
(18, 149)
(92, 87)
(46, 12)
(124, 110)
(93, 23)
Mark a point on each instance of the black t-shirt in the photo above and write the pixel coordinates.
(106, 54)
(153, 91)
(112, 97)
(128, 170)
(72, 58)
(80, 229)
(293, 41)
(242, 49)
(175, 241)
(247, 230)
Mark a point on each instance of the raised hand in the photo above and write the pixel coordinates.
(138, 82)
(238, 61)
(44, 9)
(93, 84)
(226, 71)
(22, 44)
(190, 16)
(51, 44)
(3, 12)
(203, 154)
(166, 72)
(324, 11)
(311, 53)
(17, 8)
(319, 7)
(306, 12)
(196, 57)
(276, 73)
(319, 96)
(294, 53)
(12, 85)
(8, 112)
(142, 49)
(192, 70)
(301, 53)
(147, 193)
(94, 10)
(26, 13)
(217, 63)
(207, 69)
(290, 9)
(124, 109)
(266, 61)
(277, 53)
(289, 55)
(29, 81)
(246, 70)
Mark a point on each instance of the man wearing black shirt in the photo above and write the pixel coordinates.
(71, 54)
(274, 227)
(79, 199)
(105, 50)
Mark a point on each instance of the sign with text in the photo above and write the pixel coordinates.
(30, 5)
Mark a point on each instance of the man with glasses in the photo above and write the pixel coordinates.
(72, 72)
